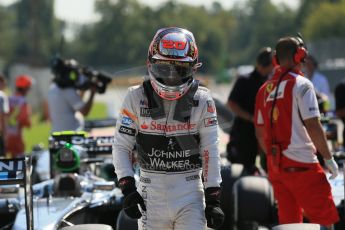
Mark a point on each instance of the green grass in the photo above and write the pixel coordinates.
(98, 111)
(40, 130)
(38, 133)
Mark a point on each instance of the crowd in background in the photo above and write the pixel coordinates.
(15, 114)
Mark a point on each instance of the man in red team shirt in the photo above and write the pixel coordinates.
(290, 134)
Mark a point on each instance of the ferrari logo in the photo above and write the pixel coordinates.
(269, 87)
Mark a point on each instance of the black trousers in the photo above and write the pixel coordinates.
(243, 150)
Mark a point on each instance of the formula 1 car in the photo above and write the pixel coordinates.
(71, 199)
(74, 195)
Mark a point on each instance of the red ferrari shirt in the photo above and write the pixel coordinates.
(295, 101)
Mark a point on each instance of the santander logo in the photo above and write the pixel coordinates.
(144, 126)
(168, 127)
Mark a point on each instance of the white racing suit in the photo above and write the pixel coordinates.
(172, 155)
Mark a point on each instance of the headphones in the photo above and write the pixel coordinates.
(301, 52)
(299, 55)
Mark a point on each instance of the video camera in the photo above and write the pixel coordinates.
(69, 73)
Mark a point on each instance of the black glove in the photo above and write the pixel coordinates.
(213, 212)
(132, 198)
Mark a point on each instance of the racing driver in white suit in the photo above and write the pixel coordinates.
(172, 123)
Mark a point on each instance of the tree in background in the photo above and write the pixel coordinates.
(37, 31)
(306, 8)
(7, 34)
(326, 21)
(259, 23)
(126, 28)
(30, 32)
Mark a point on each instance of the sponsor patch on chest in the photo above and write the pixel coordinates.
(157, 126)
(144, 112)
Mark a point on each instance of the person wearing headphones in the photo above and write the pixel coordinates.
(287, 121)
(243, 146)
(172, 121)
(18, 117)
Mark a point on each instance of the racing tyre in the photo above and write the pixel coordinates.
(125, 223)
(253, 203)
(88, 227)
(229, 173)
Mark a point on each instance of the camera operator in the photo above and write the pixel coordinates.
(65, 101)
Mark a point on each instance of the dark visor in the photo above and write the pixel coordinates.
(172, 75)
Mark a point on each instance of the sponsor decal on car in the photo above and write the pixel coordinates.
(127, 130)
(210, 121)
(126, 121)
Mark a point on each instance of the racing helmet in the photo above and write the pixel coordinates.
(23, 82)
(172, 61)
